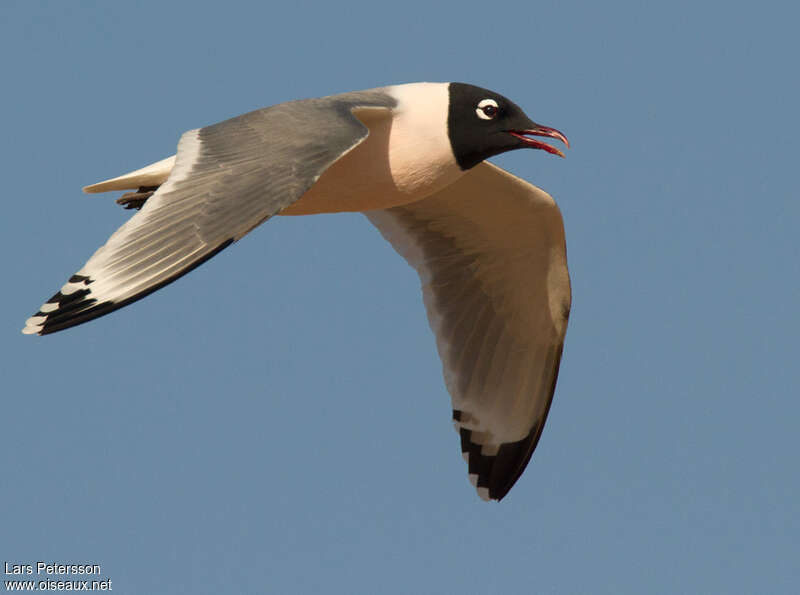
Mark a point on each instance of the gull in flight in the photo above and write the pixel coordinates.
(489, 247)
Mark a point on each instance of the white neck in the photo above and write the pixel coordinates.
(406, 157)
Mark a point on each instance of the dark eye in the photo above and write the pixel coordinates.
(487, 109)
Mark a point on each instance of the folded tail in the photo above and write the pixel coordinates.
(154, 174)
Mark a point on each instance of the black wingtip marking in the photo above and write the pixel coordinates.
(65, 301)
(478, 464)
(501, 471)
(79, 307)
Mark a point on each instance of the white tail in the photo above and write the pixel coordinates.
(153, 175)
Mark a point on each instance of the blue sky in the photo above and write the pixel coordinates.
(277, 422)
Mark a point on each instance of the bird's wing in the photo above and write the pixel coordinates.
(227, 179)
(491, 257)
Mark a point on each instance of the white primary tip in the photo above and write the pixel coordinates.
(31, 330)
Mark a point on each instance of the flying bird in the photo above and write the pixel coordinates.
(489, 247)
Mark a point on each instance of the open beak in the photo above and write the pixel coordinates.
(538, 130)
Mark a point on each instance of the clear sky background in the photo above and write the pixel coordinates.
(277, 422)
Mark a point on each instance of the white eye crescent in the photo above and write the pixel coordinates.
(487, 109)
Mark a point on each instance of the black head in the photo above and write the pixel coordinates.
(482, 123)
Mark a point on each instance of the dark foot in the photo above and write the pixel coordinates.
(135, 200)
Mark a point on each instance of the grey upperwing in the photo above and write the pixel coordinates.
(228, 178)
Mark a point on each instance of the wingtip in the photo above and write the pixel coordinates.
(483, 492)
(33, 326)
